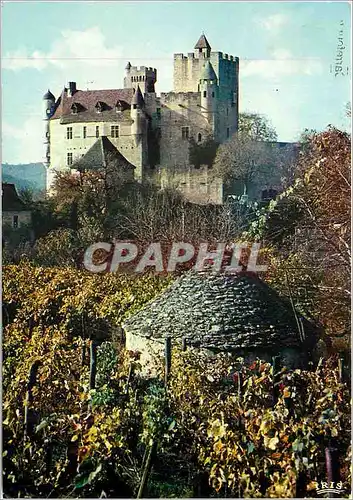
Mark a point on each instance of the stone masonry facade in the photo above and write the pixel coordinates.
(154, 133)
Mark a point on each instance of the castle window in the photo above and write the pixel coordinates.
(158, 110)
(69, 133)
(228, 133)
(97, 131)
(204, 93)
(15, 221)
(185, 132)
(199, 138)
(84, 132)
(212, 94)
(114, 131)
(227, 111)
(69, 159)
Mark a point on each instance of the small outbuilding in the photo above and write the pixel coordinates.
(217, 312)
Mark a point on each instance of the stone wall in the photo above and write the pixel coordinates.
(135, 152)
(24, 218)
(152, 354)
(178, 111)
(187, 79)
(196, 185)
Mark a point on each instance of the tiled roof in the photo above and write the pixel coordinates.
(102, 152)
(220, 312)
(10, 199)
(202, 43)
(88, 100)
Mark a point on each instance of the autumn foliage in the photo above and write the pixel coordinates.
(221, 428)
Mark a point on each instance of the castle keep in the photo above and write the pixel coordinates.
(156, 135)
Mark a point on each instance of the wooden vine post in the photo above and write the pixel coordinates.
(332, 464)
(129, 377)
(29, 414)
(168, 359)
(93, 365)
(240, 384)
(340, 370)
(146, 469)
(275, 370)
(92, 369)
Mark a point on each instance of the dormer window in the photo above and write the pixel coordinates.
(100, 106)
(119, 107)
(76, 108)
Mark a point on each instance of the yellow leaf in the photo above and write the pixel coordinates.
(74, 438)
(286, 393)
(271, 443)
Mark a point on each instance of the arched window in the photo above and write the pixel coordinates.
(199, 138)
(212, 94)
(204, 93)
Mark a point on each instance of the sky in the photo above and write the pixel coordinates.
(287, 51)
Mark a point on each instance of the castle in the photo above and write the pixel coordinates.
(157, 136)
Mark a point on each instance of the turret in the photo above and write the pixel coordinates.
(202, 48)
(142, 77)
(209, 93)
(137, 115)
(48, 110)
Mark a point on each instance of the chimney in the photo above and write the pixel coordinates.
(72, 88)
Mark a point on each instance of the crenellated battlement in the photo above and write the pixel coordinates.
(191, 55)
(142, 69)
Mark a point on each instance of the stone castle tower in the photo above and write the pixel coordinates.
(157, 135)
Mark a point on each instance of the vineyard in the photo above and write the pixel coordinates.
(80, 421)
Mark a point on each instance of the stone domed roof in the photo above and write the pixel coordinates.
(48, 95)
(222, 313)
(207, 72)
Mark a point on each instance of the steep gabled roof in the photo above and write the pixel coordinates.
(10, 199)
(100, 154)
(202, 43)
(219, 312)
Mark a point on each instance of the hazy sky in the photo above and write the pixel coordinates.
(287, 57)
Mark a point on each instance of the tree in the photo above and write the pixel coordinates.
(92, 198)
(149, 214)
(244, 159)
(315, 263)
(256, 127)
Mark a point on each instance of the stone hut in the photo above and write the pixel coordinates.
(216, 312)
